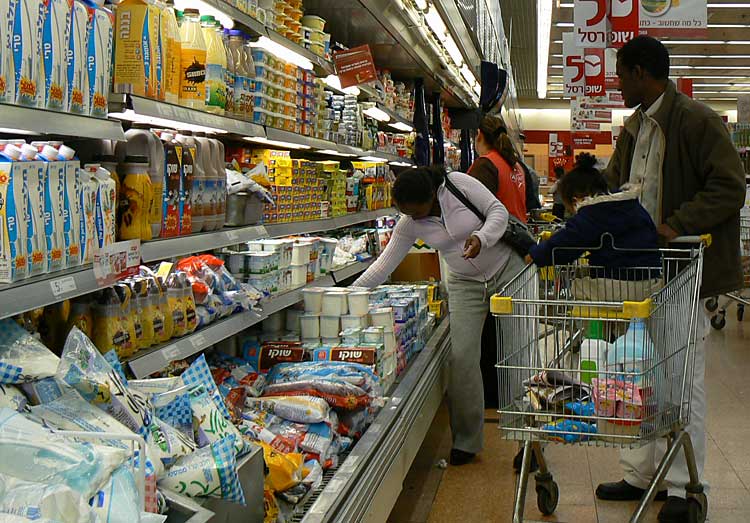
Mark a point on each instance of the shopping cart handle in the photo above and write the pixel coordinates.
(705, 239)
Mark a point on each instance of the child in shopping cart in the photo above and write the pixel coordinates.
(613, 227)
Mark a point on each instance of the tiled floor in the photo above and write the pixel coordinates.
(484, 491)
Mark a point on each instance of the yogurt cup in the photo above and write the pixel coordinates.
(313, 299)
(310, 326)
(334, 304)
(274, 322)
(292, 323)
(383, 317)
(330, 326)
(313, 21)
(359, 303)
(354, 322)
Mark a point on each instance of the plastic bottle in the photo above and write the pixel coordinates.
(629, 352)
(250, 78)
(241, 74)
(171, 50)
(136, 199)
(230, 76)
(141, 141)
(207, 196)
(192, 178)
(221, 183)
(87, 216)
(162, 320)
(216, 65)
(192, 62)
(170, 197)
(176, 301)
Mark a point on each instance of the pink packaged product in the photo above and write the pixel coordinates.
(615, 398)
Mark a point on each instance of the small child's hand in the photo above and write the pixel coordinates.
(472, 247)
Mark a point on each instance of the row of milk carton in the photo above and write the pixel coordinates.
(56, 54)
(53, 213)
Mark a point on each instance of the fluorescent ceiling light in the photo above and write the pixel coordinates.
(331, 152)
(694, 42)
(401, 164)
(564, 24)
(206, 9)
(283, 53)
(277, 143)
(543, 29)
(738, 42)
(435, 22)
(455, 53)
(377, 114)
(131, 116)
(332, 81)
(401, 126)
(373, 159)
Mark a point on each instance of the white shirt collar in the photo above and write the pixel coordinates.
(651, 111)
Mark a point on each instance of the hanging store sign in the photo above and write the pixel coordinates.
(574, 82)
(686, 18)
(585, 140)
(591, 23)
(624, 22)
(355, 66)
(610, 69)
(594, 67)
(610, 100)
(580, 112)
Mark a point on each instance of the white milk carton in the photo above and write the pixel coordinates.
(26, 42)
(55, 41)
(78, 78)
(87, 204)
(105, 201)
(54, 209)
(99, 58)
(72, 206)
(13, 259)
(7, 74)
(36, 242)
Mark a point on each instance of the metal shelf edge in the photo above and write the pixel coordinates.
(353, 269)
(44, 121)
(274, 230)
(172, 247)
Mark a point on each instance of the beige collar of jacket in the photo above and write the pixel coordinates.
(629, 192)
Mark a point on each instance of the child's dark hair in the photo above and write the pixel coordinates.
(418, 185)
(584, 180)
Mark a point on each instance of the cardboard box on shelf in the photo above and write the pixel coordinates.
(418, 267)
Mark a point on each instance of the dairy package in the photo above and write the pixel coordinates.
(26, 43)
(136, 44)
(87, 204)
(13, 260)
(54, 208)
(55, 42)
(35, 174)
(78, 78)
(99, 58)
(7, 74)
(72, 209)
(105, 204)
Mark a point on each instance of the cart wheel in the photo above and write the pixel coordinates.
(740, 311)
(547, 496)
(718, 322)
(697, 509)
(712, 304)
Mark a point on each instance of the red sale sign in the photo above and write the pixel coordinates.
(591, 23)
(595, 72)
(625, 22)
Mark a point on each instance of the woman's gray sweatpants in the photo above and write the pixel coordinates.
(469, 303)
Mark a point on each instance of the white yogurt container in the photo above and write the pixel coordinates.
(334, 304)
(293, 320)
(301, 253)
(313, 299)
(274, 323)
(283, 248)
(330, 326)
(310, 326)
(359, 303)
(382, 317)
(354, 322)
(299, 275)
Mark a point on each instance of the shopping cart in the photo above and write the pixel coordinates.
(542, 224)
(602, 357)
(719, 305)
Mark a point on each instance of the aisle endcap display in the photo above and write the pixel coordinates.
(139, 109)
(40, 121)
(164, 249)
(46, 289)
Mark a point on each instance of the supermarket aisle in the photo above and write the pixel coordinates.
(484, 491)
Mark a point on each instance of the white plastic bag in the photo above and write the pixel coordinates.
(39, 500)
(22, 357)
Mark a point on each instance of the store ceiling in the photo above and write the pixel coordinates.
(718, 65)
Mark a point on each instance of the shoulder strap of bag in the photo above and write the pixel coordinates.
(455, 191)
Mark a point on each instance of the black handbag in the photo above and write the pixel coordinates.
(517, 235)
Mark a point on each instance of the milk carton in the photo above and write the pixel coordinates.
(71, 207)
(78, 79)
(136, 48)
(13, 260)
(55, 41)
(105, 204)
(54, 208)
(35, 174)
(99, 58)
(7, 74)
(87, 204)
(26, 43)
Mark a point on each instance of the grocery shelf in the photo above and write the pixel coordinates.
(42, 121)
(395, 117)
(280, 135)
(146, 362)
(276, 230)
(46, 289)
(138, 109)
(367, 484)
(172, 247)
(350, 270)
(389, 157)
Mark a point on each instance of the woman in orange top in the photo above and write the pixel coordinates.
(499, 168)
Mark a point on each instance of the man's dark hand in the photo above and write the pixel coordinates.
(472, 247)
(666, 232)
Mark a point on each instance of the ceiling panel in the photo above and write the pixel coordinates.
(519, 23)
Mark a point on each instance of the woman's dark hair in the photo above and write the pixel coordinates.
(496, 134)
(647, 52)
(583, 180)
(418, 185)
(559, 172)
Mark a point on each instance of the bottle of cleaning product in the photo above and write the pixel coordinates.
(216, 64)
(171, 50)
(142, 142)
(631, 351)
(230, 76)
(593, 359)
(237, 52)
(171, 192)
(205, 196)
(191, 197)
(135, 200)
(192, 61)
